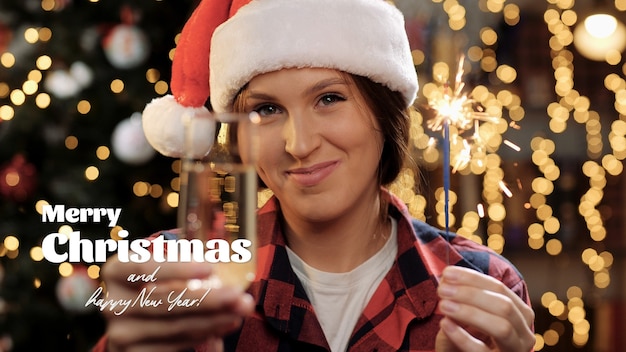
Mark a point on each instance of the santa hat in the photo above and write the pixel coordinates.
(224, 45)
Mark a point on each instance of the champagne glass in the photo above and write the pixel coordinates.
(218, 196)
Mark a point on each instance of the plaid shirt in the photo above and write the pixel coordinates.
(402, 315)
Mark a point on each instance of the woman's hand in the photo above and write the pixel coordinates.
(147, 325)
(482, 314)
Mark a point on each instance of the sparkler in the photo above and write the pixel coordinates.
(457, 109)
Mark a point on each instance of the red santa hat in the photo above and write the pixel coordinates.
(224, 45)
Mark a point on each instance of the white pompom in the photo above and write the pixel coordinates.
(164, 127)
(129, 142)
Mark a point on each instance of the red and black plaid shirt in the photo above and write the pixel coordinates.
(401, 315)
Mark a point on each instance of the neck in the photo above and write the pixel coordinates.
(342, 244)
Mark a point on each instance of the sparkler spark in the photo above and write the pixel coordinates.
(512, 145)
(505, 189)
(455, 107)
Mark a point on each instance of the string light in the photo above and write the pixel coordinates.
(569, 107)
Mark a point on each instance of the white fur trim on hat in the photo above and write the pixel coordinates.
(362, 37)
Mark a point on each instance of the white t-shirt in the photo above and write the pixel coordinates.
(339, 298)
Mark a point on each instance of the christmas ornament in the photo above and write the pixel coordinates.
(61, 84)
(74, 290)
(129, 141)
(126, 46)
(82, 74)
(18, 179)
(64, 83)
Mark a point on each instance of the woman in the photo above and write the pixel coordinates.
(342, 265)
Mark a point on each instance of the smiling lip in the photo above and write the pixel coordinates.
(311, 176)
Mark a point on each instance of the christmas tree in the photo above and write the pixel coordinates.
(74, 76)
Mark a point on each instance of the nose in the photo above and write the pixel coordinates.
(301, 135)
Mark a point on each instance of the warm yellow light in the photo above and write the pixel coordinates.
(93, 271)
(83, 107)
(141, 189)
(599, 36)
(36, 254)
(175, 184)
(161, 87)
(31, 35)
(30, 87)
(7, 60)
(44, 62)
(6, 112)
(153, 75)
(66, 269)
(11, 243)
(92, 173)
(418, 57)
(539, 342)
(551, 337)
(45, 34)
(172, 199)
(554, 247)
(71, 142)
(156, 191)
(117, 86)
(600, 25)
(556, 308)
(65, 229)
(574, 292)
(18, 97)
(103, 152)
(42, 100)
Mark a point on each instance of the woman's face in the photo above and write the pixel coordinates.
(319, 144)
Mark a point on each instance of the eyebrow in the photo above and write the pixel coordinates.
(321, 85)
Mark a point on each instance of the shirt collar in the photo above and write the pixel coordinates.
(413, 278)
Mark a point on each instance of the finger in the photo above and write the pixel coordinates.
(487, 305)
(180, 346)
(173, 298)
(475, 304)
(495, 326)
(459, 338)
(468, 277)
(491, 313)
(182, 332)
(215, 345)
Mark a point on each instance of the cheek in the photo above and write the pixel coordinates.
(357, 134)
(270, 151)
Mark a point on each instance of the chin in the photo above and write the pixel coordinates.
(312, 208)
